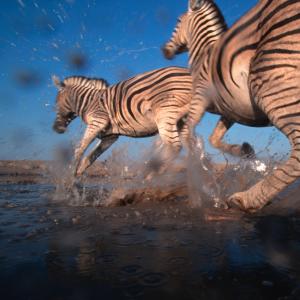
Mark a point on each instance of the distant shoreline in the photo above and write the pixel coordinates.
(37, 171)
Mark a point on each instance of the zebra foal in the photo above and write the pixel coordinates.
(248, 74)
(144, 105)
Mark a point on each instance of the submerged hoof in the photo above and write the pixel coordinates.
(241, 201)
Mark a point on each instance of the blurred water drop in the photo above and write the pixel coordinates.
(77, 60)
(21, 137)
(27, 78)
(163, 16)
(123, 73)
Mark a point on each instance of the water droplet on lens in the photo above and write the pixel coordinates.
(132, 270)
(134, 291)
(177, 260)
(153, 279)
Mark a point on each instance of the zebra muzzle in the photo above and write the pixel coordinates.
(167, 52)
(59, 127)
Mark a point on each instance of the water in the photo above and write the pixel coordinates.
(119, 236)
(51, 250)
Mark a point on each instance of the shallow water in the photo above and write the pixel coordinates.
(50, 250)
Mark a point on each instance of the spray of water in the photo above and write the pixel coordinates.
(201, 176)
(206, 180)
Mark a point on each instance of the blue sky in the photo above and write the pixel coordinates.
(102, 38)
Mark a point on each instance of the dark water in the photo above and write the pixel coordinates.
(49, 250)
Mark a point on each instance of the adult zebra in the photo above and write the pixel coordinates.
(249, 74)
(156, 101)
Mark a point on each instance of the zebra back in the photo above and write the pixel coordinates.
(165, 91)
(96, 83)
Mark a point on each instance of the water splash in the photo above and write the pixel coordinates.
(122, 178)
(244, 174)
(201, 176)
(61, 174)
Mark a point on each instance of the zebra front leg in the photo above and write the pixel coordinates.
(100, 148)
(223, 125)
(90, 135)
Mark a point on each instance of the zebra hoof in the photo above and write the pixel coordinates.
(239, 201)
(247, 151)
(82, 167)
(79, 172)
(168, 53)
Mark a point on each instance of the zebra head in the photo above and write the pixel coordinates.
(198, 27)
(178, 42)
(64, 112)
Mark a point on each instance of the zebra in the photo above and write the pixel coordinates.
(248, 74)
(144, 105)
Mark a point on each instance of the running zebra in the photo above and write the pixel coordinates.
(248, 74)
(144, 105)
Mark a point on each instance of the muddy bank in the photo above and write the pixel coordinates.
(37, 171)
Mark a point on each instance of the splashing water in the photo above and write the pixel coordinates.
(201, 176)
(121, 179)
(128, 174)
(241, 175)
(124, 173)
(215, 182)
(61, 174)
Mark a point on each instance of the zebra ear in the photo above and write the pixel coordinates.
(56, 81)
(195, 4)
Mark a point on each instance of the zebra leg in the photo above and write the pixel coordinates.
(90, 135)
(169, 148)
(197, 110)
(223, 125)
(100, 148)
(279, 99)
(265, 190)
(184, 134)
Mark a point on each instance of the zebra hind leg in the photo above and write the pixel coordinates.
(168, 149)
(284, 113)
(245, 150)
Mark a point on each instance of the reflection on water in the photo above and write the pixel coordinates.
(167, 250)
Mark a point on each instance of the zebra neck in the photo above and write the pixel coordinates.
(206, 28)
(202, 64)
(89, 103)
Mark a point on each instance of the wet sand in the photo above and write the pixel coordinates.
(157, 245)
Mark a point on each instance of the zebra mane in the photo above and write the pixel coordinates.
(96, 83)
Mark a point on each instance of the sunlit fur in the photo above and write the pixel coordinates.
(248, 74)
(141, 106)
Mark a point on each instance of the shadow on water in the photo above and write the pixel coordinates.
(53, 248)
